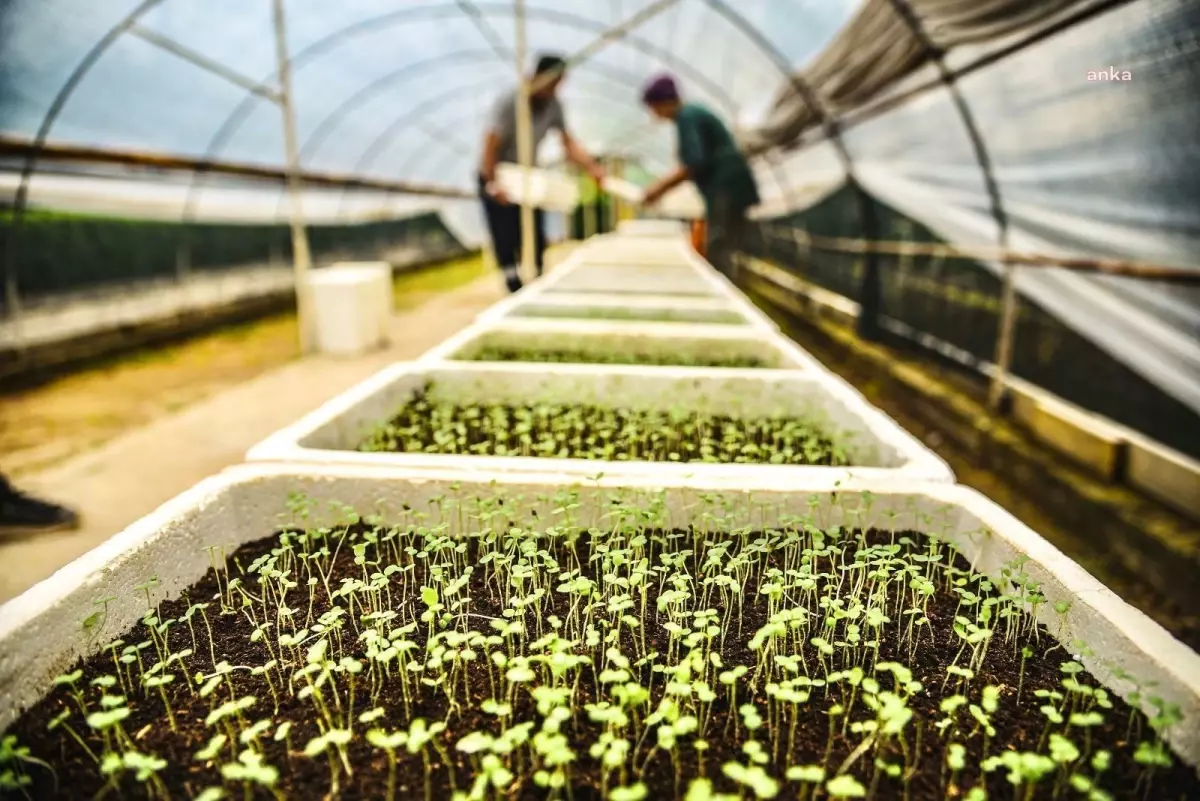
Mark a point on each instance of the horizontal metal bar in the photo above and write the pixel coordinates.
(15, 146)
(1123, 267)
(203, 62)
(615, 33)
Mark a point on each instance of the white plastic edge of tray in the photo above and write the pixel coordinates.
(39, 630)
(791, 355)
(680, 281)
(573, 263)
(690, 257)
(918, 462)
(578, 261)
(587, 254)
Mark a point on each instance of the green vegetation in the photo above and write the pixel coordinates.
(461, 651)
(632, 313)
(576, 431)
(565, 355)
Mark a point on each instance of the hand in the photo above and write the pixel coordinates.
(498, 194)
(653, 195)
(598, 174)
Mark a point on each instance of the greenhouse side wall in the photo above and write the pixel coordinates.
(67, 254)
(958, 302)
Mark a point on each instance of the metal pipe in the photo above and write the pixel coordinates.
(524, 119)
(232, 123)
(205, 63)
(168, 162)
(301, 257)
(869, 110)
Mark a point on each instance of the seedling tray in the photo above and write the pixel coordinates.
(671, 230)
(635, 308)
(40, 633)
(639, 249)
(543, 299)
(631, 280)
(594, 341)
(877, 447)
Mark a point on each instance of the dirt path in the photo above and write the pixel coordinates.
(169, 419)
(44, 426)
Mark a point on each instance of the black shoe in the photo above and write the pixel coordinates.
(513, 282)
(22, 515)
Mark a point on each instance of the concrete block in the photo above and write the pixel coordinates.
(387, 305)
(599, 336)
(349, 317)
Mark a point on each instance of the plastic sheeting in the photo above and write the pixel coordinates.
(395, 88)
(1084, 168)
(399, 89)
(402, 89)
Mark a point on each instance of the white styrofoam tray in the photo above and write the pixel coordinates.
(687, 274)
(626, 280)
(602, 336)
(634, 308)
(39, 630)
(668, 229)
(577, 266)
(879, 448)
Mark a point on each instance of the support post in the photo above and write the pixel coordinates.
(1004, 342)
(524, 118)
(871, 290)
(301, 257)
(621, 209)
(587, 215)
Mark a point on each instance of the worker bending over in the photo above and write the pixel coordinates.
(711, 160)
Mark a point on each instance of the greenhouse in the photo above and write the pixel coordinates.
(537, 399)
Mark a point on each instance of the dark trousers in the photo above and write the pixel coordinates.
(727, 227)
(504, 226)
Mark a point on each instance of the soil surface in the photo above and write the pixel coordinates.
(620, 290)
(426, 425)
(581, 356)
(805, 733)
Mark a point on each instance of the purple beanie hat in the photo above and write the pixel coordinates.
(660, 90)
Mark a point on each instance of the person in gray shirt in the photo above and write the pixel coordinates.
(500, 145)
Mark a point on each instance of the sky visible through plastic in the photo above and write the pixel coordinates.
(405, 92)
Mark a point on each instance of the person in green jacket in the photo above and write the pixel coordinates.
(711, 160)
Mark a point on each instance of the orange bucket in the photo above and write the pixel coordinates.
(699, 236)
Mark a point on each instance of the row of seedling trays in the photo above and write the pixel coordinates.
(620, 538)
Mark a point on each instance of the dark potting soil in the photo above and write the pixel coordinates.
(815, 738)
(576, 431)
(581, 356)
(616, 289)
